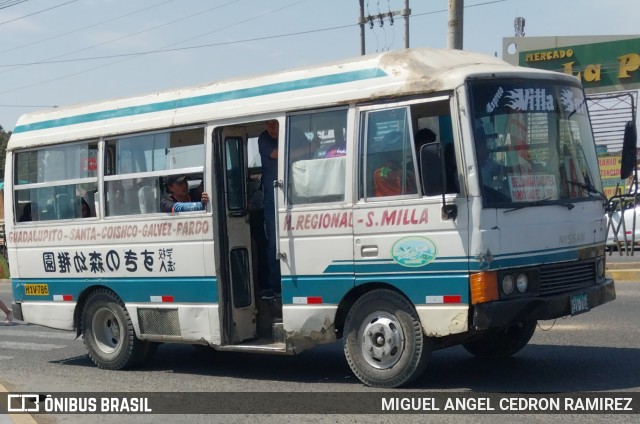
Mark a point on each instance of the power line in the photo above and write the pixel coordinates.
(144, 53)
(175, 49)
(30, 106)
(85, 27)
(39, 11)
(126, 56)
(168, 50)
(9, 3)
(125, 36)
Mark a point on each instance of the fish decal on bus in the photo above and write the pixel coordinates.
(414, 251)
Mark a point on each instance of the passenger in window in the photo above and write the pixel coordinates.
(268, 148)
(86, 210)
(179, 199)
(388, 179)
(424, 136)
(26, 213)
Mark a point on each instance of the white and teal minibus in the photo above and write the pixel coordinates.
(493, 222)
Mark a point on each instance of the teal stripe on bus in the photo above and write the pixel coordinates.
(183, 289)
(416, 286)
(461, 264)
(244, 93)
(331, 288)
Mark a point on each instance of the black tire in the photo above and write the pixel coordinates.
(383, 340)
(108, 333)
(502, 342)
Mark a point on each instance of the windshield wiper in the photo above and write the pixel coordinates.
(543, 202)
(588, 187)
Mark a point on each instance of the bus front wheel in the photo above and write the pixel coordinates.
(384, 343)
(109, 335)
(502, 342)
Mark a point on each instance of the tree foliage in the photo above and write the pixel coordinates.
(4, 139)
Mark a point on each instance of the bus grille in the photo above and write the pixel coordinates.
(566, 277)
(161, 322)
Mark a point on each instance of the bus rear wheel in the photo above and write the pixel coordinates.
(108, 333)
(384, 342)
(502, 342)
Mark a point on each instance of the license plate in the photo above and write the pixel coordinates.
(36, 289)
(579, 304)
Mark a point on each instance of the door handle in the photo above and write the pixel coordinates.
(369, 251)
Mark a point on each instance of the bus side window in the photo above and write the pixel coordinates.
(316, 157)
(390, 170)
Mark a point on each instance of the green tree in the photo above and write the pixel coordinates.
(4, 139)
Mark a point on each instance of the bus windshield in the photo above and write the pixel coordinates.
(533, 143)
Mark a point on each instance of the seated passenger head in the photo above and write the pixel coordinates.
(86, 210)
(272, 128)
(177, 182)
(424, 136)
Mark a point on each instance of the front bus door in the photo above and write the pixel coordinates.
(400, 235)
(236, 285)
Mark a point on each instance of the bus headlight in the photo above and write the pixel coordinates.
(522, 283)
(507, 284)
(600, 268)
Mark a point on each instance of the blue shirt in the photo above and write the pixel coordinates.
(170, 204)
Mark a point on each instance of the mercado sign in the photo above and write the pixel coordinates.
(601, 66)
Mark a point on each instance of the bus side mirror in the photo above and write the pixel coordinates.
(431, 164)
(629, 152)
(433, 176)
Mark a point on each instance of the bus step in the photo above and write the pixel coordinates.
(264, 345)
(279, 335)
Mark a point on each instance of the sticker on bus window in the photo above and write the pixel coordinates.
(414, 251)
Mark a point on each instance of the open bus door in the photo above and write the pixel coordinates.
(234, 235)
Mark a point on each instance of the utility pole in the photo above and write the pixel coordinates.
(406, 12)
(456, 20)
(362, 21)
(380, 17)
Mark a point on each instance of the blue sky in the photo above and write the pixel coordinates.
(85, 37)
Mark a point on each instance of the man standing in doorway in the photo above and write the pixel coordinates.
(268, 148)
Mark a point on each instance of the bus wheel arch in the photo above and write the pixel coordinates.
(108, 331)
(350, 298)
(384, 343)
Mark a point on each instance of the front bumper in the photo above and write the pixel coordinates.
(507, 312)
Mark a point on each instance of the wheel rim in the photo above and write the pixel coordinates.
(107, 331)
(382, 340)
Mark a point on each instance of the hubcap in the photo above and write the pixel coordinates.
(106, 330)
(382, 340)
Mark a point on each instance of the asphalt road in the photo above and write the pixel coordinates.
(597, 351)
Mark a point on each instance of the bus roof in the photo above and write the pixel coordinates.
(384, 75)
